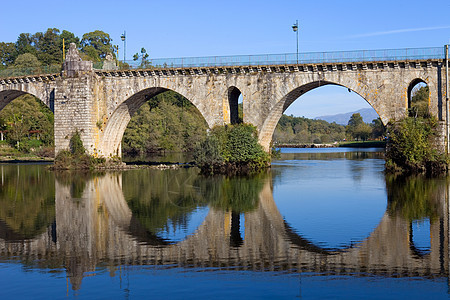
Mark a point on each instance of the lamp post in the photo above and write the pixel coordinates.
(295, 29)
(123, 37)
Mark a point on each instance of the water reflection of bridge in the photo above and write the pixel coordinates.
(100, 227)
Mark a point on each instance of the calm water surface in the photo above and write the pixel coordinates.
(321, 224)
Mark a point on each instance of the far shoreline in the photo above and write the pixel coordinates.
(367, 144)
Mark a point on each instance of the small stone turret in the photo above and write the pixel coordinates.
(73, 63)
(109, 63)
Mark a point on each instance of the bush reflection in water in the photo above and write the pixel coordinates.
(169, 200)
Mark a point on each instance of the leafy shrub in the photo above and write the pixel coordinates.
(411, 147)
(76, 158)
(231, 149)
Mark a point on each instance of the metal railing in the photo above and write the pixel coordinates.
(291, 58)
(255, 60)
(17, 72)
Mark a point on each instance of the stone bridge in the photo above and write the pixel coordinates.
(99, 227)
(100, 103)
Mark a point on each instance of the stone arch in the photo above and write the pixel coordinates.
(233, 102)
(46, 96)
(411, 87)
(8, 96)
(119, 119)
(275, 113)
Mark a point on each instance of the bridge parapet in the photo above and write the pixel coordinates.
(349, 60)
(310, 68)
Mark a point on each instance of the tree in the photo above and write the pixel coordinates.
(419, 101)
(7, 53)
(26, 113)
(411, 147)
(143, 56)
(96, 45)
(352, 128)
(363, 132)
(378, 130)
(27, 60)
(68, 38)
(25, 44)
(48, 47)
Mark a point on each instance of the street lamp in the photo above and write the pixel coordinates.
(123, 36)
(295, 28)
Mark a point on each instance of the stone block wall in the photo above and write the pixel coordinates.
(73, 111)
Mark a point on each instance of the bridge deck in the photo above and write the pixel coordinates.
(289, 62)
(244, 69)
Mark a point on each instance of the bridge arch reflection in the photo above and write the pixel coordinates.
(97, 225)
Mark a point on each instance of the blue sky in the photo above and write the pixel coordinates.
(209, 28)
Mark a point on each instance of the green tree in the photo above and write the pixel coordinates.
(144, 58)
(48, 46)
(363, 132)
(27, 60)
(419, 101)
(238, 147)
(7, 54)
(25, 44)
(167, 122)
(68, 38)
(355, 126)
(412, 147)
(24, 64)
(24, 115)
(17, 130)
(96, 45)
(378, 130)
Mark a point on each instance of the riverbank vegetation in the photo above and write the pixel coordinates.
(76, 158)
(167, 122)
(302, 131)
(412, 147)
(26, 128)
(413, 144)
(232, 149)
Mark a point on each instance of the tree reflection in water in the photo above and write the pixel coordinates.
(117, 218)
(27, 201)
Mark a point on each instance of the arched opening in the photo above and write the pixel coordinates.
(26, 125)
(418, 98)
(323, 113)
(154, 121)
(319, 118)
(235, 102)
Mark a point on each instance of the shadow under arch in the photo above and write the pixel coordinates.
(233, 102)
(418, 107)
(270, 123)
(119, 119)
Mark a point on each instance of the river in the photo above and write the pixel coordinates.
(320, 224)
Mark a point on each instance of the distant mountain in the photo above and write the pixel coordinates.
(368, 115)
